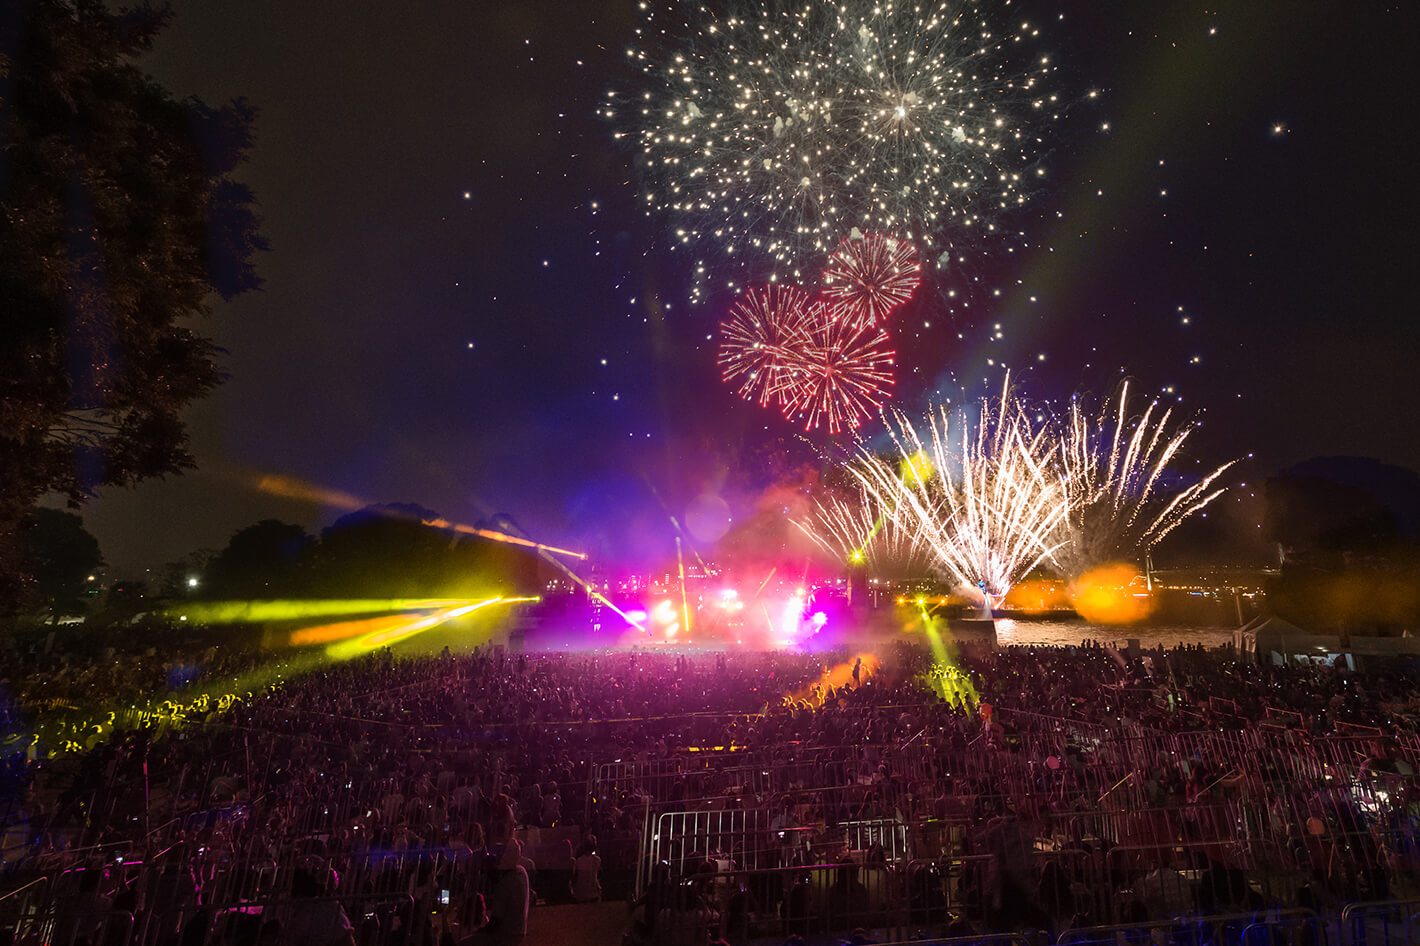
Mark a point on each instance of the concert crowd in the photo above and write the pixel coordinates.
(737, 797)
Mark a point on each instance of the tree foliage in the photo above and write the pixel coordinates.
(58, 557)
(119, 219)
(261, 561)
(390, 551)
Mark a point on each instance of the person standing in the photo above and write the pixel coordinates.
(503, 822)
(508, 901)
(551, 806)
(586, 884)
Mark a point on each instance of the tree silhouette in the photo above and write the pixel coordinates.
(118, 220)
(59, 556)
(260, 561)
(390, 550)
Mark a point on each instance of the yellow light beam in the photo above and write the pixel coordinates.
(387, 636)
(684, 601)
(294, 609)
(769, 620)
(293, 488)
(946, 675)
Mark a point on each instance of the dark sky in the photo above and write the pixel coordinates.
(441, 296)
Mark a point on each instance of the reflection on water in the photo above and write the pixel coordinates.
(1065, 633)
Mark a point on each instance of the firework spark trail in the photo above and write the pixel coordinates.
(1114, 467)
(774, 130)
(1007, 495)
(762, 339)
(847, 531)
(992, 522)
(869, 276)
(1008, 502)
(840, 375)
(860, 534)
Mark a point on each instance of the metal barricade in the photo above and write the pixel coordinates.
(983, 939)
(1380, 923)
(62, 926)
(26, 898)
(812, 901)
(1274, 927)
(943, 888)
(738, 834)
(1262, 928)
(888, 835)
(376, 920)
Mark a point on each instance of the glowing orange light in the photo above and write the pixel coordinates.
(1110, 594)
(325, 633)
(292, 488)
(1035, 596)
(840, 675)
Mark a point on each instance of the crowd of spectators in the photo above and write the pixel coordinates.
(439, 798)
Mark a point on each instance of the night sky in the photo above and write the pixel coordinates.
(465, 308)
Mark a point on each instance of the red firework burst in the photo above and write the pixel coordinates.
(840, 376)
(763, 338)
(869, 276)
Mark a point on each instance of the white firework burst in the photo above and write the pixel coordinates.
(777, 129)
(1001, 495)
(984, 502)
(1115, 468)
